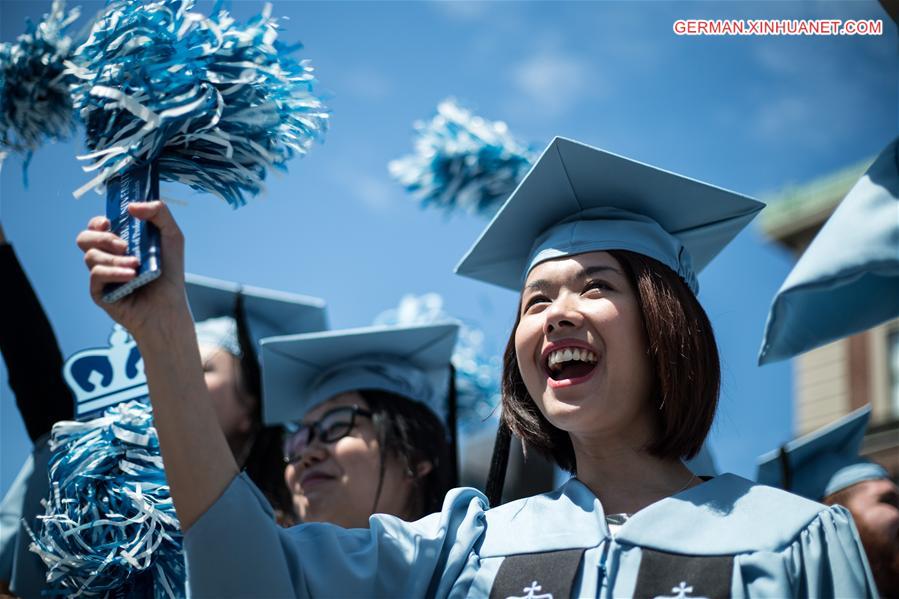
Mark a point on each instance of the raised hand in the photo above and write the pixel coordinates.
(155, 305)
(198, 461)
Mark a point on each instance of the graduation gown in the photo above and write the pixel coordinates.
(725, 537)
(23, 569)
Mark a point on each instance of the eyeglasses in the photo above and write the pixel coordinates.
(333, 426)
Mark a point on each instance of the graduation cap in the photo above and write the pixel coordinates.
(301, 371)
(578, 199)
(220, 307)
(823, 462)
(848, 278)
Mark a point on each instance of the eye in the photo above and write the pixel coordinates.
(533, 301)
(598, 285)
(891, 499)
(336, 431)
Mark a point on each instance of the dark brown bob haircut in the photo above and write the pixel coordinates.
(684, 357)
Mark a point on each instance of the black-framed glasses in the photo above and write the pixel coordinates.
(332, 426)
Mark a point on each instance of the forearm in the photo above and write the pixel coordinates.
(198, 463)
(31, 352)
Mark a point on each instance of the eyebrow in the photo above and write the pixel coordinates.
(543, 284)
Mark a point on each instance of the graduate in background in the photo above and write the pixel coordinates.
(106, 470)
(825, 466)
(34, 363)
(612, 370)
(231, 321)
(361, 409)
(845, 282)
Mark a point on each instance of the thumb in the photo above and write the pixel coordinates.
(172, 239)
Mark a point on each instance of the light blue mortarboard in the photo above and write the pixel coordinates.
(848, 278)
(268, 313)
(579, 199)
(301, 371)
(822, 462)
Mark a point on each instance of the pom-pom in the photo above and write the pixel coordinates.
(109, 523)
(477, 375)
(35, 104)
(462, 162)
(215, 103)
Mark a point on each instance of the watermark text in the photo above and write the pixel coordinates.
(778, 27)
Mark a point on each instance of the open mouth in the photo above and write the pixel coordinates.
(314, 479)
(570, 363)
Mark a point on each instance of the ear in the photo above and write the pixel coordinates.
(423, 468)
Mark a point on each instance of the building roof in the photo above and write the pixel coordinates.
(799, 208)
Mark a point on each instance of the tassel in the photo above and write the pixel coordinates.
(109, 525)
(462, 162)
(35, 105)
(499, 465)
(215, 103)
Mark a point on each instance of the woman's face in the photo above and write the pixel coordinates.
(582, 350)
(337, 482)
(221, 369)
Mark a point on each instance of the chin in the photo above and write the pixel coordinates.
(563, 412)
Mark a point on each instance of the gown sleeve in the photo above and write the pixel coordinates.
(29, 348)
(825, 560)
(236, 550)
(20, 568)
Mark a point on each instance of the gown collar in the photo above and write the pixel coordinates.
(719, 517)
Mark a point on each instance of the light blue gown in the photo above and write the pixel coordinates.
(781, 546)
(24, 570)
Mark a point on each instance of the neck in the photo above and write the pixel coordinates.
(625, 477)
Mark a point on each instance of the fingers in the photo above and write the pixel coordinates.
(108, 268)
(104, 256)
(95, 257)
(102, 240)
(98, 223)
(172, 239)
(157, 213)
(103, 275)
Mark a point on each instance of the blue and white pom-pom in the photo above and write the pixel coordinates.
(109, 524)
(462, 162)
(35, 105)
(477, 374)
(214, 102)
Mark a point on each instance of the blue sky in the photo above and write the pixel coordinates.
(752, 114)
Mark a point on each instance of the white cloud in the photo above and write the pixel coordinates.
(374, 192)
(462, 10)
(552, 82)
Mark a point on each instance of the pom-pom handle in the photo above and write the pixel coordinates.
(137, 184)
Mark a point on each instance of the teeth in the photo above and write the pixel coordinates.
(569, 355)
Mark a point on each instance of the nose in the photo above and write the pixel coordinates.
(313, 453)
(562, 314)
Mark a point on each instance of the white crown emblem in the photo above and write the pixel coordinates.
(101, 377)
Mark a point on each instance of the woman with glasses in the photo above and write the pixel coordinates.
(611, 370)
(360, 408)
(231, 321)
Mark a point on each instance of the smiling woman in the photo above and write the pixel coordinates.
(615, 306)
(363, 408)
(611, 360)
